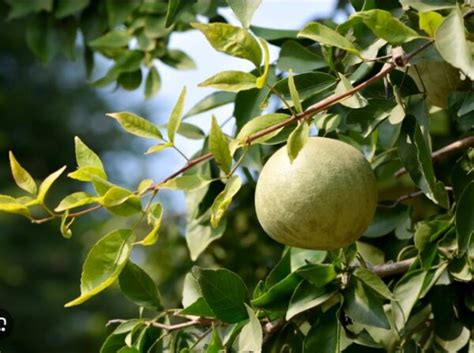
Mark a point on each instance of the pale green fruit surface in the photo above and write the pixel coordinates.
(324, 200)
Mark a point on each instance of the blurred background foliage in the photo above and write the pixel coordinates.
(42, 108)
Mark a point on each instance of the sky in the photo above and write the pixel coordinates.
(285, 14)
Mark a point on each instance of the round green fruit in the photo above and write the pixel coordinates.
(324, 200)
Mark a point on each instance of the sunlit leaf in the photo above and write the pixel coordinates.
(232, 81)
(176, 116)
(136, 125)
(47, 183)
(262, 79)
(297, 140)
(224, 199)
(211, 101)
(386, 26)
(244, 10)
(104, 263)
(327, 36)
(232, 40)
(155, 215)
(251, 336)
(219, 147)
(22, 178)
(452, 44)
(74, 200)
(186, 182)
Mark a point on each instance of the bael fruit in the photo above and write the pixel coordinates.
(324, 200)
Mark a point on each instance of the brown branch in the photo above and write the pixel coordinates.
(407, 197)
(194, 322)
(444, 151)
(394, 268)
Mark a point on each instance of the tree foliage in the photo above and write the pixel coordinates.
(404, 287)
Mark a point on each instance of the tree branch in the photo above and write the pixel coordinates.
(314, 109)
(407, 197)
(394, 268)
(444, 151)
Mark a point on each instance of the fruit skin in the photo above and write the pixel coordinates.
(324, 200)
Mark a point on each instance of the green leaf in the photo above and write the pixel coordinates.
(47, 183)
(387, 27)
(65, 226)
(136, 125)
(224, 199)
(85, 157)
(232, 81)
(119, 10)
(452, 44)
(138, 286)
(307, 297)
(65, 7)
(262, 79)
(297, 140)
(385, 220)
(155, 215)
(130, 80)
(176, 8)
(224, 291)
(87, 174)
(211, 101)
(113, 343)
(115, 196)
(327, 36)
(193, 301)
(159, 147)
(406, 293)
(318, 274)
(363, 306)
(429, 5)
(10, 205)
(22, 8)
(215, 343)
(178, 59)
(152, 83)
(464, 219)
(219, 147)
(74, 200)
(186, 182)
(278, 293)
(42, 37)
(251, 336)
(308, 85)
(298, 58)
(232, 40)
(324, 334)
(295, 97)
(415, 155)
(176, 115)
(259, 123)
(373, 281)
(22, 178)
(244, 10)
(302, 257)
(199, 234)
(430, 21)
(191, 131)
(113, 39)
(104, 263)
(354, 101)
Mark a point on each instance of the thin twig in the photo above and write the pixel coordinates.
(180, 152)
(444, 151)
(194, 322)
(407, 197)
(395, 268)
